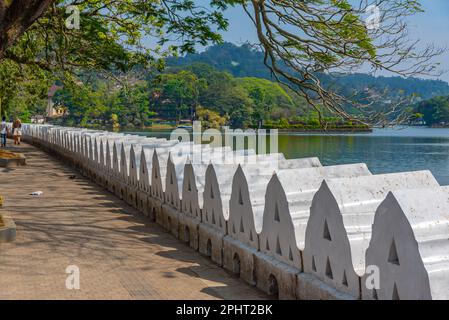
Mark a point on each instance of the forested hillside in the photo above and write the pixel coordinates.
(196, 91)
(226, 84)
(246, 61)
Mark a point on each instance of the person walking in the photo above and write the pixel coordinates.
(17, 131)
(3, 132)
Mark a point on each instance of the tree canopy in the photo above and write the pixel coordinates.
(299, 39)
(434, 111)
(111, 34)
(198, 91)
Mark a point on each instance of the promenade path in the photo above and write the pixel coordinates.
(120, 254)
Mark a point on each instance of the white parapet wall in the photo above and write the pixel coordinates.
(339, 226)
(409, 247)
(192, 179)
(293, 228)
(214, 195)
(246, 206)
(287, 201)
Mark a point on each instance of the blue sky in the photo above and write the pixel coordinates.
(432, 26)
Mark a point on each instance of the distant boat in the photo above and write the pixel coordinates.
(185, 127)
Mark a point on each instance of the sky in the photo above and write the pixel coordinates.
(432, 26)
(429, 27)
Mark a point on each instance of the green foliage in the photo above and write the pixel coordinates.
(22, 89)
(301, 41)
(137, 98)
(268, 97)
(210, 119)
(176, 94)
(313, 124)
(110, 40)
(111, 34)
(114, 121)
(102, 103)
(196, 92)
(240, 61)
(245, 61)
(434, 111)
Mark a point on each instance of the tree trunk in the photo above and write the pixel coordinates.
(16, 16)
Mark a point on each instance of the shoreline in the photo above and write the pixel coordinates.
(341, 130)
(333, 130)
(283, 130)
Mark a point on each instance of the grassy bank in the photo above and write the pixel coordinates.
(329, 130)
(313, 125)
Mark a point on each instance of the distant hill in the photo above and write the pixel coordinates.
(245, 61)
(240, 61)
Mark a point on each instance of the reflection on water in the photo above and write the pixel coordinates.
(384, 150)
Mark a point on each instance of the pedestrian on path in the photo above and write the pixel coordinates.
(17, 131)
(3, 132)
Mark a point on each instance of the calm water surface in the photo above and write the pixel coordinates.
(384, 150)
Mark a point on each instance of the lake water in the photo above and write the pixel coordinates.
(384, 150)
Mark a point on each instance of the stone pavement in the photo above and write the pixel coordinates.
(120, 254)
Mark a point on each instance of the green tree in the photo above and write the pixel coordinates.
(110, 34)
(266, 96)
(224, 95)
(88, 105)
(211, 119)
(435, 110)
(300, 39)
(178, 94)
(23, 90)
(136, 105)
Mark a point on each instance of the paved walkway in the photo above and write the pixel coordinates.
(120, 254)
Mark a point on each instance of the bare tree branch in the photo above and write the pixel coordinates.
(303, 39)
